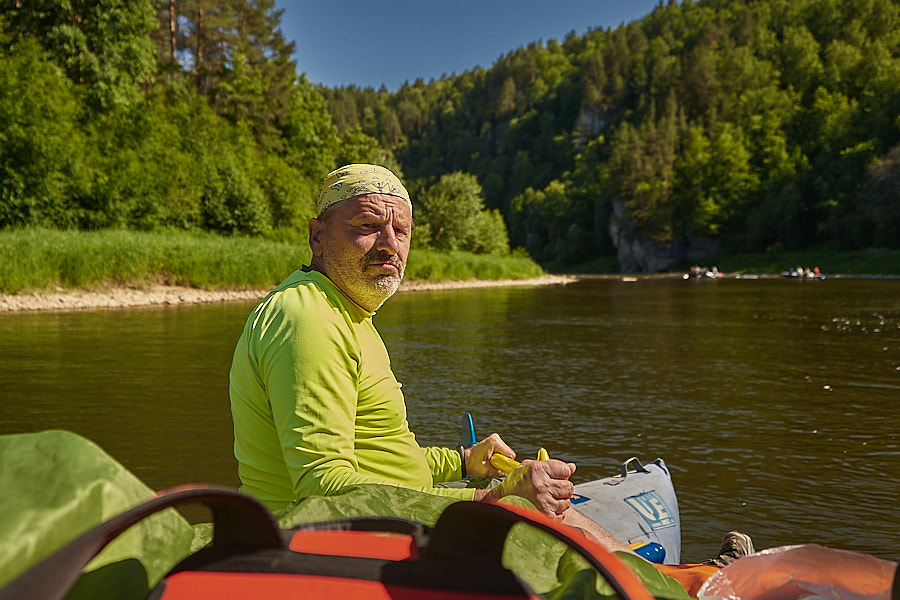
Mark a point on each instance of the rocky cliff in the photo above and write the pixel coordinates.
(639, 254)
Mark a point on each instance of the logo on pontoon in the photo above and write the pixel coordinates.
(653, 509)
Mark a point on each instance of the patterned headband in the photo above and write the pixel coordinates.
(356, 180)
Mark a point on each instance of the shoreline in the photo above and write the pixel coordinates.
(161, 295)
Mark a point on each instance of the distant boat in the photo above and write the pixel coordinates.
(801, 274)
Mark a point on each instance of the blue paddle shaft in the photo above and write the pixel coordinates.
(468, 432)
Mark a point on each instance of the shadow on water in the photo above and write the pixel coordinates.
(772, 401)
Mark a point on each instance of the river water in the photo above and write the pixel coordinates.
(774, 402)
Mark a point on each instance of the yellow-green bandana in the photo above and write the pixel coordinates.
(356, 180)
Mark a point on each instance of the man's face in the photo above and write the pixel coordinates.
(362, 245)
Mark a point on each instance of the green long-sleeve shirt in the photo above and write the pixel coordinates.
(316, 406)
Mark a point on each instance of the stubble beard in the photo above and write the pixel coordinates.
(365, 288)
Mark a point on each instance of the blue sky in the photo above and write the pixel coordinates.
(391, 41)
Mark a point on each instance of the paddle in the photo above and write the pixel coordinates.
(506, 464)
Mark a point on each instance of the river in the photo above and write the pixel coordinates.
(774, 402)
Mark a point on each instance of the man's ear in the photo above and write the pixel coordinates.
(316, 228)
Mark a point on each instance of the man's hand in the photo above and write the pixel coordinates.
(544, 482)
(478, 457)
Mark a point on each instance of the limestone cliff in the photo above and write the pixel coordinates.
(639, 254)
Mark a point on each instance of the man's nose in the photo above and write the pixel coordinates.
(387, 240)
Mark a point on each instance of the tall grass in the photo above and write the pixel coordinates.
(431, 265)
(44, 260)
(39, 259)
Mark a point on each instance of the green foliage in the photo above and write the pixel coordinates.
(754, 123)
(713, 179)
(78, 151)
(357, 147)
(540, 218)
(102, 45)
(310, 138)
(234, 54)
(456, 265)
(489, 235)
(745, 121)
(42, 164)
(452, 217)
(231, 201)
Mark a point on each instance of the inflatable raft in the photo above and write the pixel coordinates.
(638, 505)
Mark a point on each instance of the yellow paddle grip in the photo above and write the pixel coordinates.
(503, 463)
(506, 464)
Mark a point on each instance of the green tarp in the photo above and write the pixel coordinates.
(55, 485)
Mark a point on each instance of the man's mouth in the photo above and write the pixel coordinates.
(391, 266)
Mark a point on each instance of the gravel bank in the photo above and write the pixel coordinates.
(166, 295)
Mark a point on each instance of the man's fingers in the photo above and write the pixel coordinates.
(555, 508)
(562, 489)
(492, 471)
(556, 469)
(499, 446)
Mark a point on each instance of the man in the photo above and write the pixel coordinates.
(314, 402)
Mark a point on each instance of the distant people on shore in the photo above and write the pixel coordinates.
(698, 271)
(804, 273)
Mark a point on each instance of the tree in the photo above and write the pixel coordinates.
(310, 147)
(236, 55)
(454, 215)
(42, 150)
(801, 66)
(713, 179)
(102, 44)
(357, 147)
(489, 234)
(538, 219)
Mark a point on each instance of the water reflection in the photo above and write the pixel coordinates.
(774, 402)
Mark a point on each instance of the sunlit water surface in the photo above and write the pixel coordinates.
(774, 402)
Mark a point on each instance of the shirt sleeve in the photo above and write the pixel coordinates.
(445, 463)
(310, 365)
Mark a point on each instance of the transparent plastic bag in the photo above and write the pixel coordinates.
(808, 571)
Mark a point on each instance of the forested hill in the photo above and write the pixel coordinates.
(737, 125)
(762, 124)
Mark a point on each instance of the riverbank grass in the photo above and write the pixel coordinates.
(47, 260)
(430, 265)
(37, 259)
